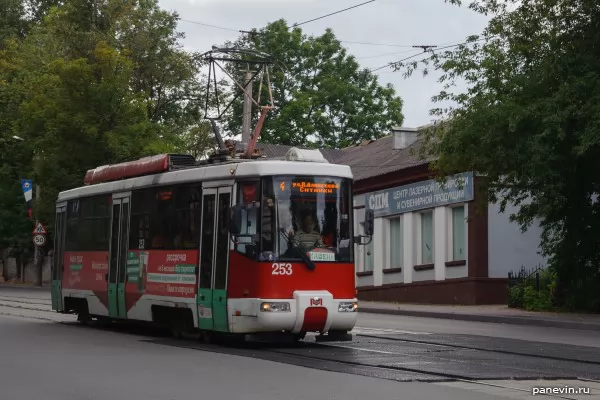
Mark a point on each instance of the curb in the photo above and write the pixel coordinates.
(498, 319)
(24, 287)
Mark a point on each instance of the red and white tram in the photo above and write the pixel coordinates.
(243, 246)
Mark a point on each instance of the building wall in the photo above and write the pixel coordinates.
(397, 245)
(509, 248)
(410, 212)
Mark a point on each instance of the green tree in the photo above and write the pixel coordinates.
(12, 20)
(530, 122)
(92, 84)
(322, 96)
(15, 226)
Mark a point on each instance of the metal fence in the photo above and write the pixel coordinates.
(523, 275)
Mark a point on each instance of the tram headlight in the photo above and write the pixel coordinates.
(275, 307)
(348, 307)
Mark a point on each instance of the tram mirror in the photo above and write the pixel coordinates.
(235, 222)
(369, 222)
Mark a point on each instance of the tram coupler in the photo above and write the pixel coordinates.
(334, 337)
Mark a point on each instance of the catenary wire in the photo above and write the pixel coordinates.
(333, 13)
(342, 41)
(424, 52)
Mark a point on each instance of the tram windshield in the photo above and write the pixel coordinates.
(306, 213)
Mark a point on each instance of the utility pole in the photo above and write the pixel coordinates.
(38, 255)
(247, 120)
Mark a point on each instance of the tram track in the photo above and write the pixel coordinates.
(387, 335)
(397, 373)
(359, 359)
(484, 349)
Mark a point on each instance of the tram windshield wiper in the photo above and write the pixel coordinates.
(301, 254)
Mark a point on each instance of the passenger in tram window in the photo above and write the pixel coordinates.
(307, 235)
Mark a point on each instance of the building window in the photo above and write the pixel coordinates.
(396, 247)
(427, 237)
(458, 233)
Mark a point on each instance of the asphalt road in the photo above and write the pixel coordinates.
(492, 330)
(49, 356)
(49, 361)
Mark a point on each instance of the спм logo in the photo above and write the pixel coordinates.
(379, 201)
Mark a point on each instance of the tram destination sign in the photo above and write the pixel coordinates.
(421, 195)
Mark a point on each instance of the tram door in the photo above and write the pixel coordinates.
(58, 260)
(119, 241)
(214, 258)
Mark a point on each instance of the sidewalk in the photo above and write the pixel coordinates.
(486, 313)
(46, 286)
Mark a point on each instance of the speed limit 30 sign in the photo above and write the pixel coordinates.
(39, 240)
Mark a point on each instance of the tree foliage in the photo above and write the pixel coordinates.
(87, 84)
(530, 122)
(322, 97)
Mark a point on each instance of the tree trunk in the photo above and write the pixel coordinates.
(4, 257)
(19, 262)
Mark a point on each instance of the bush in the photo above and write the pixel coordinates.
(534, 294)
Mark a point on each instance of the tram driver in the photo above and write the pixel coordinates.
(307, 235)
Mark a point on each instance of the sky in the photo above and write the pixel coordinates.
(394, 25)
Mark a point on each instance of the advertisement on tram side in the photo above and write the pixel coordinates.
(85, 270)
(163, 272)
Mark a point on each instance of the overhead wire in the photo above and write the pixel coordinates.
(333, 13)
(342, 41)
(375, 44)
(209, 25)
(352, 42)
(424, 52)
(293, 26)
(384, 54)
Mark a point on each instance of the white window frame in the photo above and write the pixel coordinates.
(419, 236)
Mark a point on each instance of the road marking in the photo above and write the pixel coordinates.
(382, 331)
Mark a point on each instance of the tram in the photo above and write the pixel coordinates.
(238, 247)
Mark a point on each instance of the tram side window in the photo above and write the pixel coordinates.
(248, 196)
(187, 216)
(88, 224)
(166, 218)
(72, 226)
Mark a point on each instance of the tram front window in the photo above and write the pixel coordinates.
(312, 214)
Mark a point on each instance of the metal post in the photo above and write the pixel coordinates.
(247, 119)
(38, 257)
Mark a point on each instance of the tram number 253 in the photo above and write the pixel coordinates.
(281, 269)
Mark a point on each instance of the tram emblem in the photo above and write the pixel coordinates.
(316, 301)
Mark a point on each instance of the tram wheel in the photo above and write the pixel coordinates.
(298, 337)
(84, 319)
(206, 337)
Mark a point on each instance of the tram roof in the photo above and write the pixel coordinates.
(215, 172)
